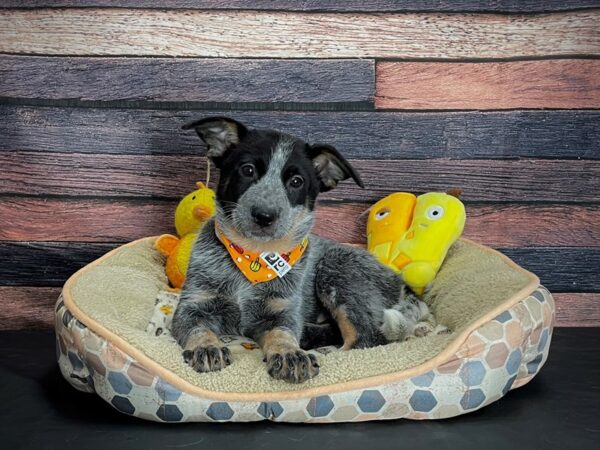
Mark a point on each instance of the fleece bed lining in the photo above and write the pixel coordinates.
(114, 297)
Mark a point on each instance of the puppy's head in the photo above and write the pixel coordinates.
(269, 182)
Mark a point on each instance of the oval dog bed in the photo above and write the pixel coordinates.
(500, 321)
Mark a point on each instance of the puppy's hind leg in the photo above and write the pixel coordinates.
(315, 335)
(409, 318)
(358, 326)
(353, 297)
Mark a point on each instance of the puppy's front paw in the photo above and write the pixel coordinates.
(295, 366)
(208, 359)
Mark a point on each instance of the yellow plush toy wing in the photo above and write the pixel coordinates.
(436, 220)
(168, 245)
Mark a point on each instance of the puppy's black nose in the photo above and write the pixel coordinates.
(264, 217)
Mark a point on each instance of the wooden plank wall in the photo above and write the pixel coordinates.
(498, 97)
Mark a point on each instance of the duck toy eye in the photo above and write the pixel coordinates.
(382, 214)
(435, 212)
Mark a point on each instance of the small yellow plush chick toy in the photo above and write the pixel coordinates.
(191, 213)
(413, 234)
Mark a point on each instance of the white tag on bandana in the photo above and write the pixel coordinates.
(276, 263)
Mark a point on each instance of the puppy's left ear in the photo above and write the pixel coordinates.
(219, 134)
(331, 167)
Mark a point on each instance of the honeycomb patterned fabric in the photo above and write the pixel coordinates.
(500, 317)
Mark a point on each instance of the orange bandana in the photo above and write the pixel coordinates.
(262, 267)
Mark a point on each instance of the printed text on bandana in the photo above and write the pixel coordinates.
(276, 263)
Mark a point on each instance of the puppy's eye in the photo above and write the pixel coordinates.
(248, 170)
(296, 181)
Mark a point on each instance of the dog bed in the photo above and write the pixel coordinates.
(500, 321)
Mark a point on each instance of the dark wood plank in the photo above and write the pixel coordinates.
(358, 135)
(494, 181)
(561, 269)
(32, 308)
(237, 34)
(100, 175)
(171, 177)
(28, 308)
(45, 264)
(98, 220)
(577, 310)
(186, 80)
(566, 83)
(322, 5)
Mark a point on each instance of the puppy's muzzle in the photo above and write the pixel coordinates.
(264, 217)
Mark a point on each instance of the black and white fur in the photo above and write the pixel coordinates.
(269, 182)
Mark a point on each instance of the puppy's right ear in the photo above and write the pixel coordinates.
(219, 134)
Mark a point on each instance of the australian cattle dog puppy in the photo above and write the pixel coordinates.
(256, 270)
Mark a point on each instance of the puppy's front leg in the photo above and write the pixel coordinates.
(285, 359)
(197, 322)
(275, 321)
(204, 352)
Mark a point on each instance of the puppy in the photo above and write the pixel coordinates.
(256, 270)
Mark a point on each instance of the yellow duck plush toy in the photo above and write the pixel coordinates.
(191, 213)
(413, 234)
